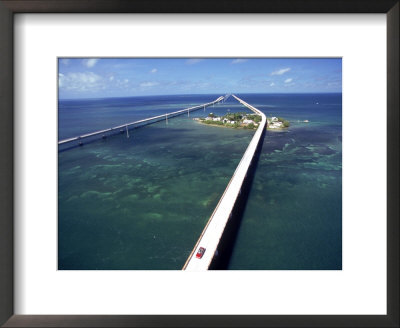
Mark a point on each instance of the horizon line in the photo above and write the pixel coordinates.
(199, 94)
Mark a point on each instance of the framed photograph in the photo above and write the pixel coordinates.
(201, 164)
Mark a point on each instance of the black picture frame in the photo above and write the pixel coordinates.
(10, 7)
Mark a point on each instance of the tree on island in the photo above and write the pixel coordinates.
(284, 122)
(243, 120)
(255, 118)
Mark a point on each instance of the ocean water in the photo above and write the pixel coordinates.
(141, 202)
(77, 117)
(293, 217)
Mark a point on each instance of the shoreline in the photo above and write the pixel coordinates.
(223, 126)
(283, 129)
(277, 129)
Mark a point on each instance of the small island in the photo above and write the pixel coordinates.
(275, 123)
(233, 120)
(243, 120)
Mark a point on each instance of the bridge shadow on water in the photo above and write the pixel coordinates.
(228, 239)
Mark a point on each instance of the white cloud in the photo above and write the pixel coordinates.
(288, 80)
(65, 61)
(90, 62)
(148, 84)
(61, 79)
(81, 82)
(111, 78)
(272, 84)
(239, 61)
(154, 70)
(193, 61)
(281, 71)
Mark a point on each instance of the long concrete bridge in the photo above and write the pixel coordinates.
(212, 233)
(125, 127)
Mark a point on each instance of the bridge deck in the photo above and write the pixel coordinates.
(115, 128)
(212, 233)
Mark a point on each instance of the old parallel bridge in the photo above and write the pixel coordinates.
(125, 127)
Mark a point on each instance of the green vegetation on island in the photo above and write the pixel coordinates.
(243, 120)
(233, 120)
(277, 123)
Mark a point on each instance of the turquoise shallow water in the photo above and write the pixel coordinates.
(141, 202)
(293, 218)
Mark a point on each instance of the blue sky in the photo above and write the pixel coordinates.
(126, 77)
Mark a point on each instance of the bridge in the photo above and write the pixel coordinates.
(213, 231)
(125, 127)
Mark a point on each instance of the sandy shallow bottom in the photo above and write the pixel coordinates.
(141, 202)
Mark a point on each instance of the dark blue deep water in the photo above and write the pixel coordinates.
(141, 202)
